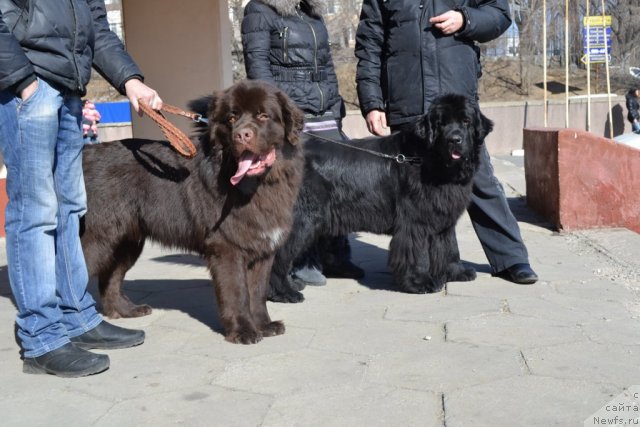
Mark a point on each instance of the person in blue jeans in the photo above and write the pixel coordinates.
(47, 50)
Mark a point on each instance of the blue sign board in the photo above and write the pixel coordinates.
(596, 44)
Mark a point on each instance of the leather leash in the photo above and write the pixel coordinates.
(178, 140)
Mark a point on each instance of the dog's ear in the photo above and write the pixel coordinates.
(201, 106)
(433, 121)
(421, 128)
(217, 110)
(292, 116)
(483, 126)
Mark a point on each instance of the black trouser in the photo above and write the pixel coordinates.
(491, 217)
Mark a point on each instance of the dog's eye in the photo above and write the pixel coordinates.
(263, 116)
(466, 121)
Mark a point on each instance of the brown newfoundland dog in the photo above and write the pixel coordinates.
(231, 203)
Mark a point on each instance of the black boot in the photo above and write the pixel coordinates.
(67, 361)
(107, 336)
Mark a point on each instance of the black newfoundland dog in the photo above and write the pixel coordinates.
(232, 203)
(412, 185)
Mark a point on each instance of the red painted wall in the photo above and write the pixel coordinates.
(578, 180)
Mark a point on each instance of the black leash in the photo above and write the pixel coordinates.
(399, 158)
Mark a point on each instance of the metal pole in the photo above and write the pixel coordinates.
(566, 63)
(606, 66)
(588, 62)
(544, 58)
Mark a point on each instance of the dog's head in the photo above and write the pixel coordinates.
(454, 128)
(253, 121)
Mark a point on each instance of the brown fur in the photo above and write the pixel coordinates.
(139, 189)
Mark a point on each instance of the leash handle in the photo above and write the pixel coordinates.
(175, 136)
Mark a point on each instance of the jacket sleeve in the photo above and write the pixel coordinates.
(15, 67)
(110, 58)
(487, 21)
(369, 45)
(256, 41)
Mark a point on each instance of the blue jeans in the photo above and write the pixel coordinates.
(41, 140)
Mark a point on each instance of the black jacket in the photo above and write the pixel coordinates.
(404, 62)
(288, 46)
(59, 41)
(632, 105)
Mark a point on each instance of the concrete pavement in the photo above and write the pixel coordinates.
(482, 353)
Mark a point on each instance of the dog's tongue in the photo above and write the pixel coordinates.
(244, 164)
(456, 155)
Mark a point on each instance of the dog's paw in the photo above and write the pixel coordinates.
(244, 336)
(272, 329)
(425, 285)
(129, 311)
(459, 273)
(291, 296)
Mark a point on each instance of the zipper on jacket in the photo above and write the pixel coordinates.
(423, 12)
(73, 51)
(284, 35)
(315, 56)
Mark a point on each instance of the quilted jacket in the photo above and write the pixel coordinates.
(404, 62)
(59, 41)
(286, 43)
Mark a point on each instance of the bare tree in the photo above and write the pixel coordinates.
(236, 12)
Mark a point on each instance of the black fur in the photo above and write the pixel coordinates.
(346, 190)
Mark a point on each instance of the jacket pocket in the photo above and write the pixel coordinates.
(459, 66)
(24, 103)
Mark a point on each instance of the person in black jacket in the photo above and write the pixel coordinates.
(632, 108)
(411, 51)
(286, 43)
(47, 50)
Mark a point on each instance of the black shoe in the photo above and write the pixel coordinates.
(107, 336)
(67, 361)
(344, 270)
(519, 273)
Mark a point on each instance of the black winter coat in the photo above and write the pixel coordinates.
(404, 62)
(288, 46)
(59, 40)
(632, 105)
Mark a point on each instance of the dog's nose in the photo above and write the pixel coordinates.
(244, 135)
(456, 139)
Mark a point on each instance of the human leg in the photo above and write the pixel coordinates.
(84, 325)
(495, 225)
(29, 135)
(335, 253)
(77, 305)
(29, 138)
